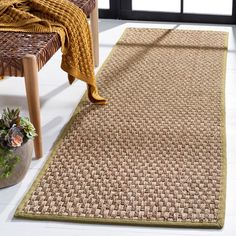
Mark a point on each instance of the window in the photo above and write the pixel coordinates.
(218, 7)
(104, 4)
(198, 11)
(156, 5)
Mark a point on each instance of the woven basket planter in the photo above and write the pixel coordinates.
(25, 153)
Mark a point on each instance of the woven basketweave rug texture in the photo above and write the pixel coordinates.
(156, 154)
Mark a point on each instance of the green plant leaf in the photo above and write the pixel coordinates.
(28, 128)
(10, 117)
(8, 160)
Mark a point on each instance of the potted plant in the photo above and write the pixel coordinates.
(16, 146)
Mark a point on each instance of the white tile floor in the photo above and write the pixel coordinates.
(58, 101)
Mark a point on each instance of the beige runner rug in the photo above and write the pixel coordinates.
(156, 154)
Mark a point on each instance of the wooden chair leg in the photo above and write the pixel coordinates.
(95, 34)
(32, 92)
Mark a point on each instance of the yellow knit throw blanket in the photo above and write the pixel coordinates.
(64, 18)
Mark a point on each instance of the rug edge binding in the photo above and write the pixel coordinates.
(217, 225)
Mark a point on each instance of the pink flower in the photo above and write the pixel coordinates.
(15, 137)
(16, 140)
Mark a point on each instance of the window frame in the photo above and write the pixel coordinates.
(122, 9)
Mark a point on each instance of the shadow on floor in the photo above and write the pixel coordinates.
(21, 101)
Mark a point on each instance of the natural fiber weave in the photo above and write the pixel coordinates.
(15, 45)
(156, 154)
(66, 19)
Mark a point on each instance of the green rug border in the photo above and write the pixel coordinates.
(218, 225)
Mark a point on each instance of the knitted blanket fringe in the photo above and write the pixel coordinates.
(66, 19)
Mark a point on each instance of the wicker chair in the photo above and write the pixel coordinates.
(24, 54)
